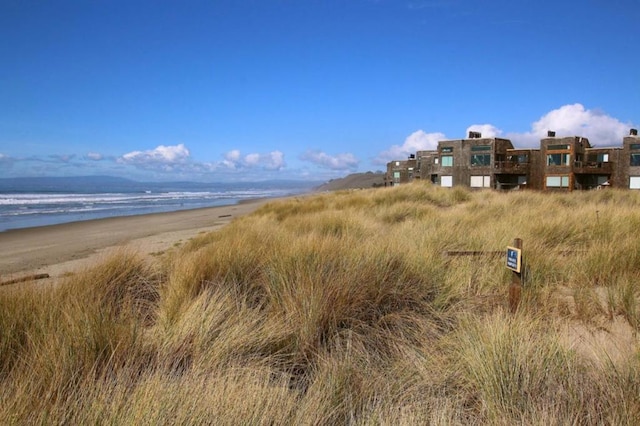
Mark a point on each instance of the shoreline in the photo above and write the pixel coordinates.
(67, 247)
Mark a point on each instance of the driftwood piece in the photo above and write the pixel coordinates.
(25, 279)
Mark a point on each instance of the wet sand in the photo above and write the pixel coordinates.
(57, 250)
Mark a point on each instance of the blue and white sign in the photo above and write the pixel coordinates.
(514, 259)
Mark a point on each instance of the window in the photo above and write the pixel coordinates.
(397, 163)
(557, 147)
(557, 181)
(480, 159)
(598, 158)
(480, 182)
(558, 159)
(446, 181)
(436, 160)
(447, 160)
(523, 158)
(635, 160)
(634, 182)
(634, 146)
(396, 175)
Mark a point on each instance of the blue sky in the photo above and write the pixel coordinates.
(250, 90)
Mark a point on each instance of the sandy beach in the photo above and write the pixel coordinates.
(61, 249)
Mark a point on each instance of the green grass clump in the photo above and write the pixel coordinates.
(343, 308)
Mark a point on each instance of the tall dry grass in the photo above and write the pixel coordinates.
(342, 308)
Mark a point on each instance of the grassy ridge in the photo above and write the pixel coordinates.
(342, 308)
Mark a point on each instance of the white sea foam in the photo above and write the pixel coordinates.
(19, 210)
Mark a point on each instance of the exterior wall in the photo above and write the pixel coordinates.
(598, 169)
(519, 170)
(560, 156)
(630, 153)
(399, 172)
(425, 161)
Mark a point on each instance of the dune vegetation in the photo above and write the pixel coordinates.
(344, 308)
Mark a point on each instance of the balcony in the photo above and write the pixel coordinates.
(592, 167)
(511, 167)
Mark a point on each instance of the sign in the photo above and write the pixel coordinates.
(514, 259)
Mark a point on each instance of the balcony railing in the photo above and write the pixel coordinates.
(592, 167)
(511, 167)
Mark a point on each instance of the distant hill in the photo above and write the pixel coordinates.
(92, 184)
(354, 181)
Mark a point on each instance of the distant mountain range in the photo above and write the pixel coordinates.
(91, 184)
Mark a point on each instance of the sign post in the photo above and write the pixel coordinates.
(514, 262)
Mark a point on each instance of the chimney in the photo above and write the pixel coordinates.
(633, 132)
(551, 134)
(475, 135)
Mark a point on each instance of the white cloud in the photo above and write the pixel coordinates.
(574, 120)
(273, 160)
(160, 155)
(487, 130)
(568, 120)
(344, 161)
(417, 141)
(64, 158)
(94, 156)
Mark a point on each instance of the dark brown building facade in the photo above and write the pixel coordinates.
(560, 164)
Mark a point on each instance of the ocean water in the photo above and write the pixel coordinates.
(24, 204)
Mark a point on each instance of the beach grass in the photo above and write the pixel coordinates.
(344, 308)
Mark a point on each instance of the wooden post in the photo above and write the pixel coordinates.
(515, 288)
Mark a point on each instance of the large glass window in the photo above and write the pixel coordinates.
(557, 181)
(558, 159)
(447, 160)
(557, 147)
(635, 160)
(598, 158)
(480, 159)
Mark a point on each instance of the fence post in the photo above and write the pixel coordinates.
(515, 288)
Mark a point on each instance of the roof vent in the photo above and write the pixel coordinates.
(551, 134)
(412, 156)
(633, 132)
(475, 135)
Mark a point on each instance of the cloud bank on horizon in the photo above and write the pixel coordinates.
(176, 161)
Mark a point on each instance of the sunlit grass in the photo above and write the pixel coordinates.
(344, 308)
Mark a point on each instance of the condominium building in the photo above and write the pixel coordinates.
(559, 164)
